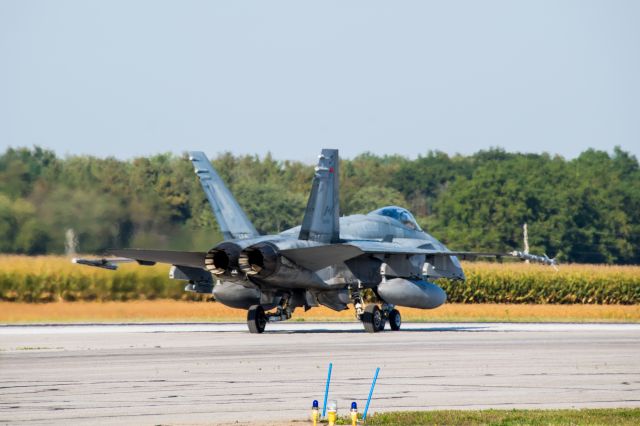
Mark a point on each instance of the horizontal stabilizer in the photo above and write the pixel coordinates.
(193, 259)
(318, 257)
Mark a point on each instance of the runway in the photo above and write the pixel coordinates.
(219, 373)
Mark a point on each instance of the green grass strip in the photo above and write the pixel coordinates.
(604, 416)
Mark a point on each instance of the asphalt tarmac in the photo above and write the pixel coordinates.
(219, 373)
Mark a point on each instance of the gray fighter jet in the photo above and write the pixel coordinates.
(329, 260)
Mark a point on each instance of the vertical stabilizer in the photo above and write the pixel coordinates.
(322, 217)
(234, 224)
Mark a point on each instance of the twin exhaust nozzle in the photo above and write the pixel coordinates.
(228, 259)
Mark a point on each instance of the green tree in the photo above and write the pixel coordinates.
(371, 197)
(586, 209)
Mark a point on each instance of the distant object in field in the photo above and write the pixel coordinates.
(70, 242)
(525, 237)
(328, 260)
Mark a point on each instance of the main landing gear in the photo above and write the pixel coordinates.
(373, 317)
(257, 318)
(395, 320)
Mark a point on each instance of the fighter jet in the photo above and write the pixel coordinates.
(328, 260)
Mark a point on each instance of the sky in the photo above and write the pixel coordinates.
(133, 78)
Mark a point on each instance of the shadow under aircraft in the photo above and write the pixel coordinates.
(328, 260)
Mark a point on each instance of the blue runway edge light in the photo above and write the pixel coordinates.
(354, 406)
(315, 404)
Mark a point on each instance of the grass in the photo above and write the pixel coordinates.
(194, 311)
(608, 416)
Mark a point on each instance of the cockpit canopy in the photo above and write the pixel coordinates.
(399, 214)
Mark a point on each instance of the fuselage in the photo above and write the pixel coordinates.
(375, 226)
(393, 225)
(399, 226)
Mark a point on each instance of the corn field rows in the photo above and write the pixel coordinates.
(51, 278)
(538, 284)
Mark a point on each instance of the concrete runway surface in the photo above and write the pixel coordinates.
(219, 373)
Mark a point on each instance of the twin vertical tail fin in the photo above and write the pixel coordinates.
(321, 221)
(233, 222)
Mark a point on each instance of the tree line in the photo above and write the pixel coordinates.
(585, 209)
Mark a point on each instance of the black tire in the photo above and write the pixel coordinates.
(383, 321)
(372, 319)
(395, 320)
(256, 319)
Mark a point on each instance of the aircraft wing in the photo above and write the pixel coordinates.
(104, 263)
(470, 255)
(378, 247)
(318, 257)
(195, 259)
(146, 257)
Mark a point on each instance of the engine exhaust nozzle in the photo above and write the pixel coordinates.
(260, 260)
(222, 259)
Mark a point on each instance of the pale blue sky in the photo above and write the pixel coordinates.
(130, 78)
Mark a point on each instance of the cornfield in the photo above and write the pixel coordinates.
(539, 284)
(55, 278)
(51, 278)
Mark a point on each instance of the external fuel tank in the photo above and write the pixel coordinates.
(411, 293)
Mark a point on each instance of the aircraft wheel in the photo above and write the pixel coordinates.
(372, 319)
(395, 320)
(256, 319)
(383, 322)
